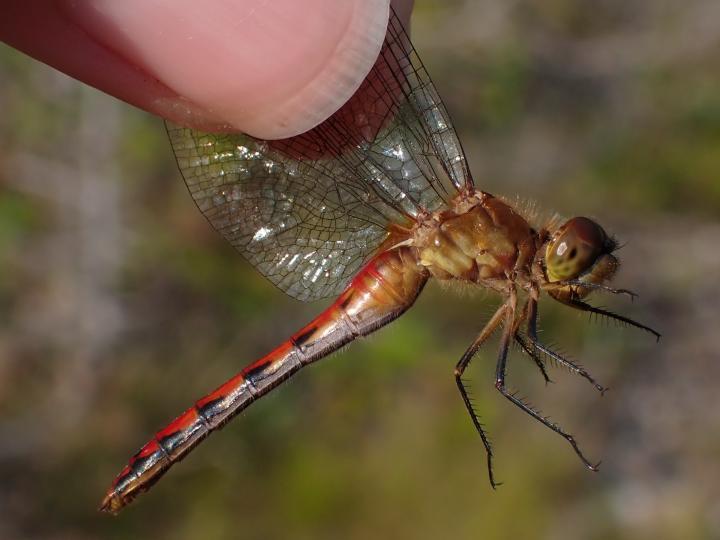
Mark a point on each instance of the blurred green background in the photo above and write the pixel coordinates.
(119, 306)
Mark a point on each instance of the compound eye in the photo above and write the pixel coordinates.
(575, 248)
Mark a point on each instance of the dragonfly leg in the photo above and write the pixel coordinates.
(583, 306)
(534, 356)
(530, 313)
(486, 332)
(519, 402)
(531, 345)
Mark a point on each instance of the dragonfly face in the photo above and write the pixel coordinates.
(579, 251)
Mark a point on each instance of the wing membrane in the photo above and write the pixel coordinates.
(308, 211)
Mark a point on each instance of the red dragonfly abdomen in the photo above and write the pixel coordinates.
(382, 291)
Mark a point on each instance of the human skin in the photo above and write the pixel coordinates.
(270, 68)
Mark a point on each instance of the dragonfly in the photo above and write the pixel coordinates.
(369, 206)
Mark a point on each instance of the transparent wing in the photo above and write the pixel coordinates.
(308, 211)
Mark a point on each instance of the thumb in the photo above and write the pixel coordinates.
(271, 69)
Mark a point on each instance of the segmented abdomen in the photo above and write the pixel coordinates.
(383, 290)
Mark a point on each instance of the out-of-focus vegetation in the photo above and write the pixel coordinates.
(119, 306)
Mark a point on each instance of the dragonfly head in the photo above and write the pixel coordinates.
(578, 252)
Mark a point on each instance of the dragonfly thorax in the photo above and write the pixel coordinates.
(482, 239)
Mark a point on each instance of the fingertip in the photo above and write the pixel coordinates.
(311, 73)
(327, 70)
(270, 69)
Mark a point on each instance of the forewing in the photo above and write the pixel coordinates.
(308, 211)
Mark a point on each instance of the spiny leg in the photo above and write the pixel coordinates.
(583, 306)
(592, 286)
(536, 345)
(460, 369)
(530, 346)
(530, 312)
(600, 287)
(500, 385)
(530, 351)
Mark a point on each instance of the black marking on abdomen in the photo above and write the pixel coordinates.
(207, 412)
(250, 374)
(171, 441)
(346, 301)
(302, 338)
